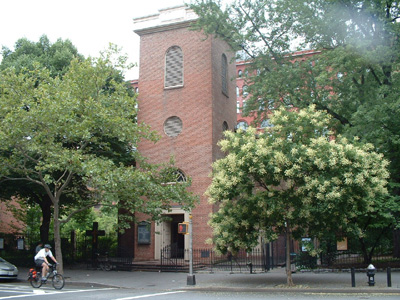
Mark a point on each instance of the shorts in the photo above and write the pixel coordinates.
(39, 262)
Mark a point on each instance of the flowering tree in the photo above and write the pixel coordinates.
(353, 74)
(292, 179)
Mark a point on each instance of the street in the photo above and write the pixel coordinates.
(21, 290)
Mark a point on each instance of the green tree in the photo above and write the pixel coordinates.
(293, 179)
(353, 73)
(56, 58)
(57, 132)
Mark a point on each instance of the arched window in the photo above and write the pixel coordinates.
(240, 73)
(224, 74)
(177, 177)
(225, 126)
(173, 67)
(180, 176)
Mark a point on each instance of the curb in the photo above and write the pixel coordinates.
(91, 284)
(393, 291)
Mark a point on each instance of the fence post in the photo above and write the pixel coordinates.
(212, 260)
(353, 277)
(267, 257)
(231, 264)
(161, 259)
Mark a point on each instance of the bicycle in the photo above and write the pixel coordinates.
(103, 263)
(35, 277)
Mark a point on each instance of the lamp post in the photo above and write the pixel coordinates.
(191, 279)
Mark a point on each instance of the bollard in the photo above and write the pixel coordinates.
(353, 277)
(389, 277)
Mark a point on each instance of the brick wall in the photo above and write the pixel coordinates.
(200, 104)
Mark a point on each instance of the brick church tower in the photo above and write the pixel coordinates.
(187, 94)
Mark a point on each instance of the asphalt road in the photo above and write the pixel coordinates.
(21, 290)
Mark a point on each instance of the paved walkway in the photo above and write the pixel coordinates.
(272, 281)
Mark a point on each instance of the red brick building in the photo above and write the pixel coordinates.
(190, 91)
(242, 94)
(187, 95)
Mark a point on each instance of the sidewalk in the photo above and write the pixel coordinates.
(272, 281)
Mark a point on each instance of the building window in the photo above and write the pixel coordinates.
(173, 67)
(180, 176)
(224, 74)
(173, 126)
(240, 73)
(237, 91)
(266, 123)
(271, 104)
(242, 125)
(238, 107)
(144, 233)
(225, 126)
(245, 91)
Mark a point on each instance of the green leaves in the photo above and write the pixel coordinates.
(349, 69)
(295, 172)
(54, 57)
(81, 127)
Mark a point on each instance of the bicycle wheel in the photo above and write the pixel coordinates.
(37, 281)
(107, 266)
(58, 281)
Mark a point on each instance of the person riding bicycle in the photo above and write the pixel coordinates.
(41, 260)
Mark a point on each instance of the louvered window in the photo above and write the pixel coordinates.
(173, 126)
(224, 74)
(173, 67)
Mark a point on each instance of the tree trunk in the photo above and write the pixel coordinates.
(364, 251)
(57, 237)
(288, 266)
(396, 243)
(45, 206)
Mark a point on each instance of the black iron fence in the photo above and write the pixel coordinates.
(208, 259)
(265, 258)
(349, 259)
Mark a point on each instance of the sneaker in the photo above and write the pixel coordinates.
(44, 280)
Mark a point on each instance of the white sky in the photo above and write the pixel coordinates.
(90, 24)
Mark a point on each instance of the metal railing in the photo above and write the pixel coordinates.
(173, 259)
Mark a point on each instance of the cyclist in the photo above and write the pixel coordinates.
(41, 260)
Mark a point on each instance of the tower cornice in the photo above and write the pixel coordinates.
(166, 19)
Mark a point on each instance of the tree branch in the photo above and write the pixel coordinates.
(260, 34)
(340, 118)
(78, 211)
(66, 182)
(375, 76)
